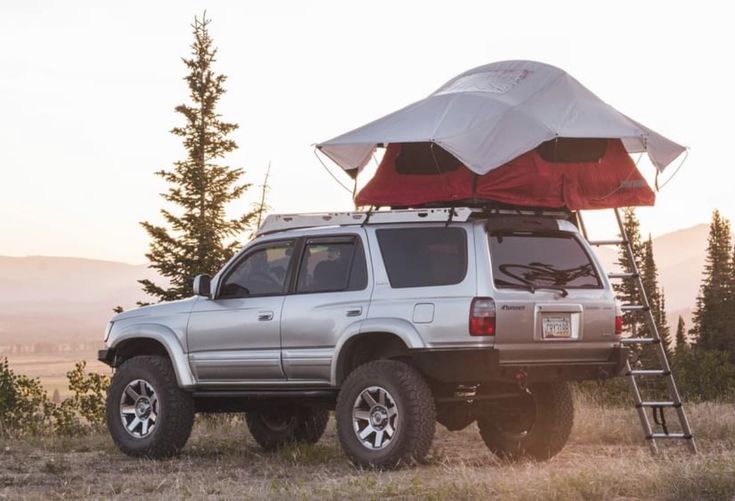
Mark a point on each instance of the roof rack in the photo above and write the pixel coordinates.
(282, 222)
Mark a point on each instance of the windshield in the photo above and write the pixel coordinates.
(534, 261)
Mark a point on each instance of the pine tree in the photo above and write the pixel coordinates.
(626, 290)
(649, 277)
(261, 207)
(712, 329)
(663, 325)
(199, 236)
(681, 341)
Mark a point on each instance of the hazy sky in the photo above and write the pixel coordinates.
(87, 92)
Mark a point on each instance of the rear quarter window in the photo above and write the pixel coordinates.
(423, 257)
(556, 260)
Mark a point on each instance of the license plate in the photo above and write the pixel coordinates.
(557, 327)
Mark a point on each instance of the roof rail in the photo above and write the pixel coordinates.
(282, 222)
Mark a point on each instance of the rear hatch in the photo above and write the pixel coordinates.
(553, 304)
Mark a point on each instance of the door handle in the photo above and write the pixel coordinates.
(354, 312)
(264, 316)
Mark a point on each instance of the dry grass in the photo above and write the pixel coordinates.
(605, 459)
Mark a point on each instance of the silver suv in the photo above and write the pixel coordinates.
(393, 319)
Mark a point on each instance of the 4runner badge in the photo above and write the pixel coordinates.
(511, 307)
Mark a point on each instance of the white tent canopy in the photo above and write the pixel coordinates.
(489, 115)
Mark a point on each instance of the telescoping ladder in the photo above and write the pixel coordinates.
(654, 341)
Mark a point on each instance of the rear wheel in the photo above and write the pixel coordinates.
(277, 427)
(147, 413)
(535, 426)
(385, 415)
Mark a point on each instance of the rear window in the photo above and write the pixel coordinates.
(533, 260)
(424, 257)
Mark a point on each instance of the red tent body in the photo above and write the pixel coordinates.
(550, 176)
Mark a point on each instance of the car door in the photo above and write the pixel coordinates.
(235, 336)
(332, 291)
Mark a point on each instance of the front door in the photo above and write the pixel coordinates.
(236, 335)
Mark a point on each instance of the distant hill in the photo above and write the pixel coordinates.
(63, 300)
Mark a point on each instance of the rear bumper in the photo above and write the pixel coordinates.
(476, 365)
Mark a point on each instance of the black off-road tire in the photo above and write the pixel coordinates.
(283, 426)
(550, 413)
(415, 421)
(311, 426)
(175, 408)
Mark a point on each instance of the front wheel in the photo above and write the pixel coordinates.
(147, 413)
(536, 425)
(385, 415)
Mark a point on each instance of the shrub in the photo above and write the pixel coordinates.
(704, 374)
(25, 408)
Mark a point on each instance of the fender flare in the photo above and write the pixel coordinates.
(398, 327)
(170, 342)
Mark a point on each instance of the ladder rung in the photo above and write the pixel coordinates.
(648, 372)
(669, 435)
(607, 242)
(640, 340)
(622, 275)
(634, 307)
(658, 404)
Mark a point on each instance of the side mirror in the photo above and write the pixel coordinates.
(202, 285)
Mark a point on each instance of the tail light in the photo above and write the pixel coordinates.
(618, 320)
(482, 317)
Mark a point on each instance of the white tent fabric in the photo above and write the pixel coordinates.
(489, 115)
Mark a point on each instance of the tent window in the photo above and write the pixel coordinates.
(425, 159)
(573, 150)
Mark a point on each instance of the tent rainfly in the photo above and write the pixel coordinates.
(496, 116)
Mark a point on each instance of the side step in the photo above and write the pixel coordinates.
(669, 435)
(622, 275)
(640, 340)
(647, 372)
(607, 242)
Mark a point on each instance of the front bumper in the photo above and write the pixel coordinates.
(107, 356)
(475, 365)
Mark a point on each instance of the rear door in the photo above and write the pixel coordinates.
(331, 291)
(551, 301)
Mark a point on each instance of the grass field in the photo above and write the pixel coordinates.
(605, 459)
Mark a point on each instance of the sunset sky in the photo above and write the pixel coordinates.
(88, 89)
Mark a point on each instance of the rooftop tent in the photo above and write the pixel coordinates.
(500, 116)
(572, 173)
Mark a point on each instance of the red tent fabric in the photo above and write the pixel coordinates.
(549, 176)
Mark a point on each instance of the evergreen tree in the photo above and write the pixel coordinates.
(198, 237)
(712, 329)
(261, 207)
(649, 276)
(681, 341)
(663, 325)
(626, 290)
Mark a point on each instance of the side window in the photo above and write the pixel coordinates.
(263, 272)
(331, 265)
(422, 257)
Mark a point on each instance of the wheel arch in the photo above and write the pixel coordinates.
(152, 339)
(372, 340)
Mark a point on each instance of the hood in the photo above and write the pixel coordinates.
(167, 308)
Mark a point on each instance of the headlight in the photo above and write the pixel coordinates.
(107, 330)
